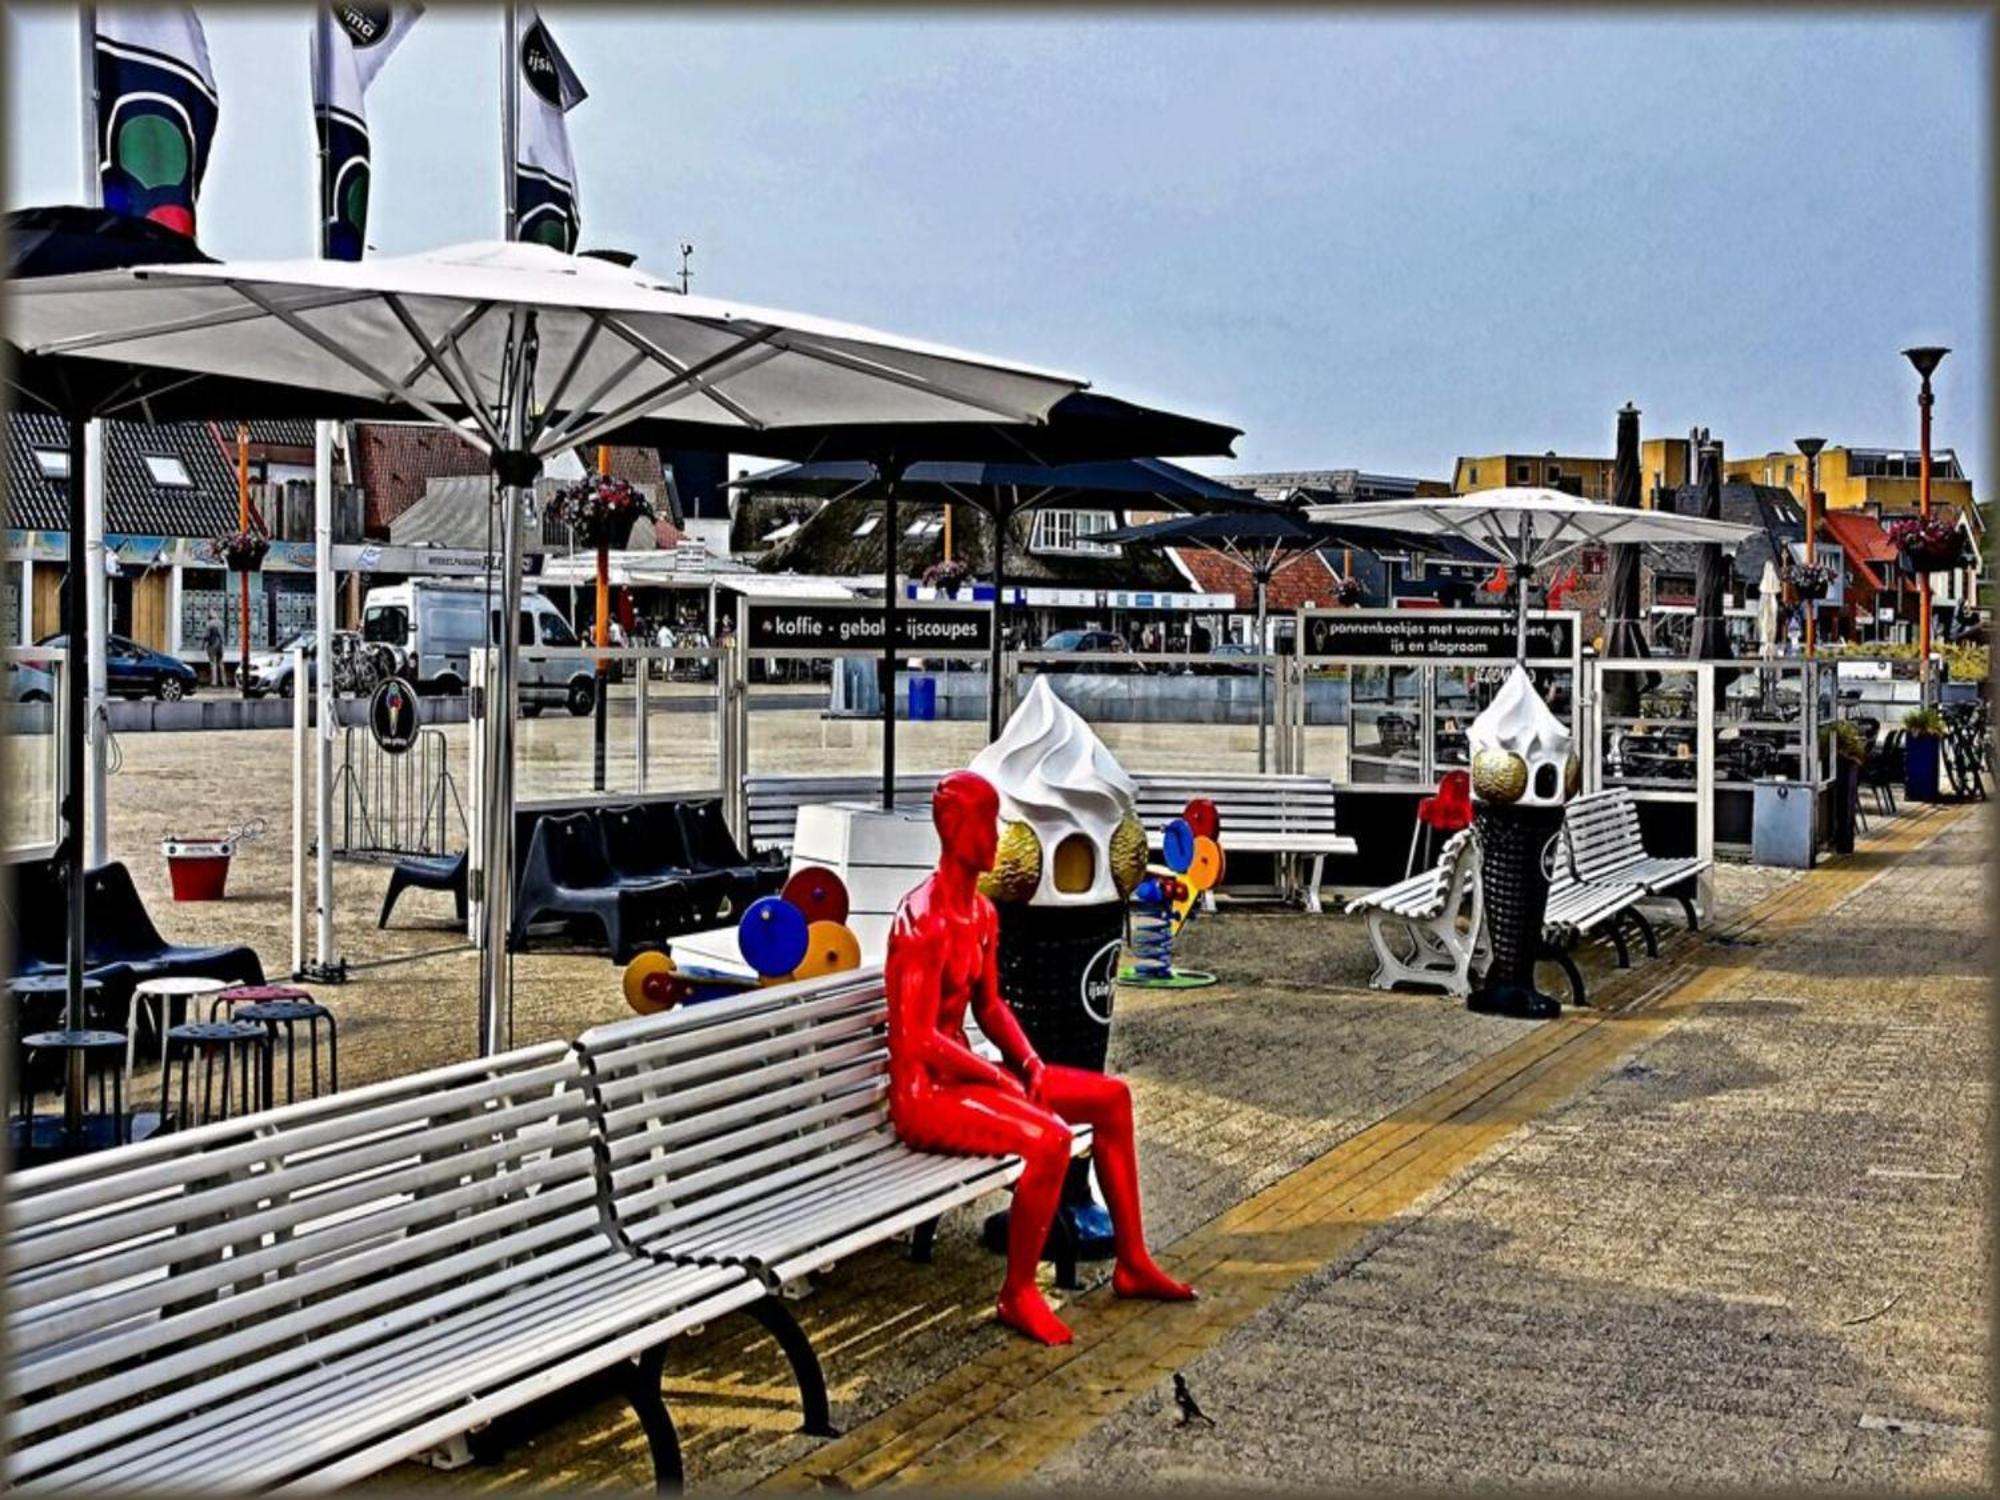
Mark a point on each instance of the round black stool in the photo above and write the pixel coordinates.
(38, 1003)
(290, 1014)
(103, 1057)
(241, 1048)
(239, 995)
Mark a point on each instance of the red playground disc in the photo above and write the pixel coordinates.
(1202, 817)
(820, 894)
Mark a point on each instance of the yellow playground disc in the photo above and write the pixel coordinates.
(1206, 867)
(646, 966)
(831, 948)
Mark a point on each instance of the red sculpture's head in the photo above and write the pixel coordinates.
(966, 810)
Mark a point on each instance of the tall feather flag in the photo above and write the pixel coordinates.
(156, 111)
(351, 41)
(545, 209)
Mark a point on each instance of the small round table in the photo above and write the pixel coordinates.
(168, 1002)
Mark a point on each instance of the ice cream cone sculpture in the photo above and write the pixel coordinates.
(801, 933)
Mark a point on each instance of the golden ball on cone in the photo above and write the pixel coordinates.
(1499, 776)
(1017, 865)
(1572, 775)
(1128, 855)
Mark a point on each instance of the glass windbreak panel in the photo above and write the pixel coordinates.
(1647, 718)
(1166, 714)
(28, 709)
(1760, 725)
(1324, 715)
(1385, 706)
(822, 716)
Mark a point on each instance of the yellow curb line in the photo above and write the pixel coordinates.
(1003, 1414)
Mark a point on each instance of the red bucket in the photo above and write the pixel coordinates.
(199, 867)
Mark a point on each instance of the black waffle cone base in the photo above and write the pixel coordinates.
(1511, 841)
(1055, 972)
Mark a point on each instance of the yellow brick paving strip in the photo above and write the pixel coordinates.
(999, 1417)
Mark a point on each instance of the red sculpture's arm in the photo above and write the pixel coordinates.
(996, 1017)
(912, 979)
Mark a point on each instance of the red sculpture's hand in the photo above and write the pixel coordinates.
(1033, 1071)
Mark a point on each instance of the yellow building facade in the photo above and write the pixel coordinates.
(1852, 478)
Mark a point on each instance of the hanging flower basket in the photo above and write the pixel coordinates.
(242, 551)
(600, 512)
(1348, 591)
(1809, 581)
(1932, 545)
(947, 576)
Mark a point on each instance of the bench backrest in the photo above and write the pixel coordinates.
(1268, 806)
(574, 848)
(1601, 832)
(642, 840)
(772, 803)
(174, 1275)
(710, 1105)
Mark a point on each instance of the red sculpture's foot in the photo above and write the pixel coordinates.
(1148, 1280)
(1029, 1312)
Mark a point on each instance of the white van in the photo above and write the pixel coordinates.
(434, 625)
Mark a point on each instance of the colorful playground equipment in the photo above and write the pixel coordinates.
(1163, 902)
(800, 933)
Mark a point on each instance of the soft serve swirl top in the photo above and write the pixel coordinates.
(1055, 775)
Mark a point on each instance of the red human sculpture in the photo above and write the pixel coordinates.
(943, 957)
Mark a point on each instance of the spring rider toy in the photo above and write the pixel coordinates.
(1165, 900)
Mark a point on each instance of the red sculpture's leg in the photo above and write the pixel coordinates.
(1105, 1104)
(974, 1120)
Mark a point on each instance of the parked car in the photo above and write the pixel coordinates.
(26, 684)
(135, 671)
(1107, 641)
(271, 671)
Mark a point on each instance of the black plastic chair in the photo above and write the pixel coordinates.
(1883, 772)
(427, 873)
(567, 874)
(644, 842)
(711, 847)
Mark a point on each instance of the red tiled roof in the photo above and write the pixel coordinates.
(1306, 581)
(1863, 540)
(393, 461)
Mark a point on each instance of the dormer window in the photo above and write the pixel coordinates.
(53, 462)
(168, 471)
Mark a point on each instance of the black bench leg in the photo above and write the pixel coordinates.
(922, 1240)
(782, 1326)
(1617, 936)
(1687, 905)
(1645, 931)
(1062, 1250)
(1563, 961)
(640, 1381)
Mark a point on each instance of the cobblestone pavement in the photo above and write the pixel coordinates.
(1752, 1253)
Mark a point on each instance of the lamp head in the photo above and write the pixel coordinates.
(1926, 358)
(1810, 447)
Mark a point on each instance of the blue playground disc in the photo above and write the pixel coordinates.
(1177, 842)
(773, 936)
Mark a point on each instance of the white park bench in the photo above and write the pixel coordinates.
(301, 1297)
(772, 802)
(1604, 846)
(754, 1133)
(1288, 816)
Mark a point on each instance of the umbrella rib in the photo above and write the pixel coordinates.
(576, 359)
(78, 343)
(792, 343)
(639, 341)
(546, 423)
(434, 358)
(649, 401)
(456, 332)
(486, 439)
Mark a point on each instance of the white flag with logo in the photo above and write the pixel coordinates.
(545, 208)
(351, 41)
(157, 109)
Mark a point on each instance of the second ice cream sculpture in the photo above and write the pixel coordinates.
(1071, 850)
(1523, 772)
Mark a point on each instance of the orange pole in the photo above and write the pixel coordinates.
(243, 578)
(603, 574)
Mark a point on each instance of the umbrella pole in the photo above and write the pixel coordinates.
(993, 659)
(890, 473)
(1521, 599)
(75, 716)
(1262, 576)
(515, 471)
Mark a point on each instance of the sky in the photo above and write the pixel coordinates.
(1370, 242)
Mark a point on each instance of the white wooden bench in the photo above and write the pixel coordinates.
(754, 1132)
(1425, 911)
(301, 1297)
(772, 803)
(1289, 816)
(1604, 846)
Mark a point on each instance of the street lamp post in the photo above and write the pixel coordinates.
(1925, 359)
(1810, 447)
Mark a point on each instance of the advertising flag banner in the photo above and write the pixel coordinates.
(156, 111)
(545, 210)
(351, 41)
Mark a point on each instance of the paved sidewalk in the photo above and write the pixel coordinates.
(1752, 1253)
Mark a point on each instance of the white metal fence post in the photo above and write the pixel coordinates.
(1704, 802)
(302, 744)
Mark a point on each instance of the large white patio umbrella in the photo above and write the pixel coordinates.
(530, 351)
(1528, 529)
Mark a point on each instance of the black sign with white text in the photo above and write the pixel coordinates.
(962, 631)
(1481, 635)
